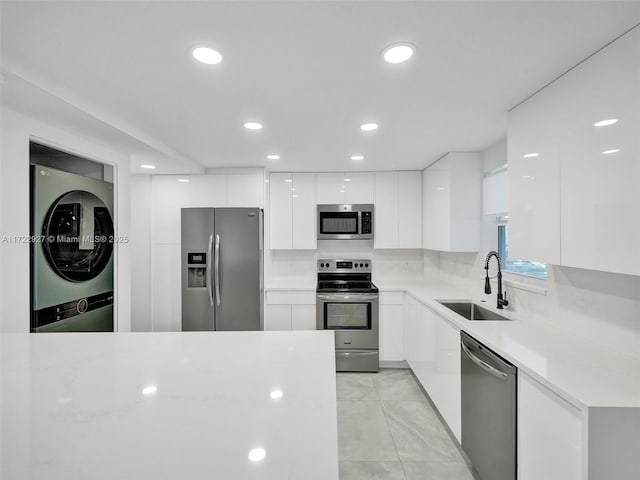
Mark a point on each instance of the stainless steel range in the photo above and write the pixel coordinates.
(347, 302)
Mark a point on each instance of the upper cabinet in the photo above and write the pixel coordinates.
(398, 212)
(208, 190)
(350, 187)
(292, 210)
(245, 190)
(452, 200)
(575, 203)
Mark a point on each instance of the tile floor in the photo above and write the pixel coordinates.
(387, 430)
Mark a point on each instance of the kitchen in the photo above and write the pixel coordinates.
(529, 87)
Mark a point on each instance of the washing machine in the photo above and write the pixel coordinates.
(72, 249)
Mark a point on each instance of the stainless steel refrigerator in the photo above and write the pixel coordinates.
(222, 261)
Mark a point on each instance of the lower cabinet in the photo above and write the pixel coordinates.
(549, 434)
(290, 310)
(391, 319)
(432, 350)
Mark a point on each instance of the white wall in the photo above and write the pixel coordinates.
(17, 130)
(300, 265)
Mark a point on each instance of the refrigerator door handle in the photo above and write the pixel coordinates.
(217, 270)
(209, 254)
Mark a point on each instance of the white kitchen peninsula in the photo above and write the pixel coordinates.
(169, 405)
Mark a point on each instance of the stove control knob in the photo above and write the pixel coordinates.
(322, 265)
(366, 265)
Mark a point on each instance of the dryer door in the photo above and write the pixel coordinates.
(78, 236)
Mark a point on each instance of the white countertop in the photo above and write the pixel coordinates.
(73, 406)
(581, 371)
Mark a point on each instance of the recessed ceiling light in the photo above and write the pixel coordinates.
(357, 157)
(531, 155)
(147, 166)
(614, 150)
(293, 196)
(277, 393)
(398, 52)
(288, 180)
(206, 55)
(347, 179)
(257, 454)
(604, 123)
(150, 390)
(368, 127)
(273, 157)
(253, 126)
(183, 180)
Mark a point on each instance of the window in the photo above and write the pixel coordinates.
(521, 267)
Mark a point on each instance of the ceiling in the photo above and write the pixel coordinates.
(311, 72)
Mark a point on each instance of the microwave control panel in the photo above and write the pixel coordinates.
(367, 227)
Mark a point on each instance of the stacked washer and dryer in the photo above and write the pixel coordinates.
(71, 252)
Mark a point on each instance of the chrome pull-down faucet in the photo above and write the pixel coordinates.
(502, 300)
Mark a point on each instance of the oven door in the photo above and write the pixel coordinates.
(353, 317)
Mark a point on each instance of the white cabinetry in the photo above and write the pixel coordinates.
(304, 211)
(385, 219)
(350, 187)
(391, 315)
(410, 209)
(290, 310)
(331, 188)
(292, 201)
(549, 434)
(168, 197)
(280, 211)
(358, 187)
(452, 199)
(398, 212)
(576, 202)
(208, 190)
(245, 190)
(432, 350)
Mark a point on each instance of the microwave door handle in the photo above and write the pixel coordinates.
(359, 232)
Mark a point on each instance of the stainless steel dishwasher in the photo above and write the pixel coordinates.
(488, 410)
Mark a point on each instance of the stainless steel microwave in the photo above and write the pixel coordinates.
(345, 222)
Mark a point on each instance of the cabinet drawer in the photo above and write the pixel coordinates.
(291, 297)
(391, 298)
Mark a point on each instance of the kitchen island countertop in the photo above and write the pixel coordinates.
(169, 405)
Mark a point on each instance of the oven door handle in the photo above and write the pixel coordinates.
(346, 296)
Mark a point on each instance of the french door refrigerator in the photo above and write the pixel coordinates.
(222, 256)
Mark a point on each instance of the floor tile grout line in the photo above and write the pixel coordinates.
(384, 413)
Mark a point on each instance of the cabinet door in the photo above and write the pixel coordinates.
(411, 324)
(409, 209)
(168, 196)
(534, 181)
(599, 195)
(549, 434)
(386, 210)
(446, 376)
(208, 190)
(303, 317)
(436, 207)
(245, 190)
(166, 288)
(280, 211)
(359, 187)
(331, 188)
(278, 317)
(304, 211)
(391, 332)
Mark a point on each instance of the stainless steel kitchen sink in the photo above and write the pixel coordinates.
(471, 311)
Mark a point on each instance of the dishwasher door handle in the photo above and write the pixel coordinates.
(482, 364)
